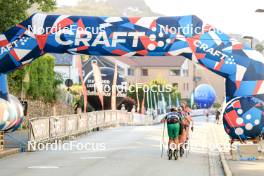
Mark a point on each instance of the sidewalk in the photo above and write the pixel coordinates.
(238, 168)
(8, 152)
(14, 143)
(246, 168)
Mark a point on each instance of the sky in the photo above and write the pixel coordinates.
(230, 16)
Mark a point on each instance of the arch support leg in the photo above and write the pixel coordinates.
(3, 86)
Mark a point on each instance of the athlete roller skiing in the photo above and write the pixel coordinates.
(178, 124)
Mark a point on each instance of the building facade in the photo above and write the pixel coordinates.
(65, 64)
(176, 71)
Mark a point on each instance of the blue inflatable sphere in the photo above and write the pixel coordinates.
(244, 118)
(204, 96)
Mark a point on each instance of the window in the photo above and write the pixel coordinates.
(144, 72)
(186, 86)
(130, 72)
(185, 73)
(121, 71)
(175, 72)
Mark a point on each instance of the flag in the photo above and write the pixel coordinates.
(192, 100)
(143, 104)
(147, 100)
(163, 103)
(98, 82)
(155, 102)
(138, 105)
(150, 94)
(169, 100)
(177, 101)
(113, 98)
(84, 90)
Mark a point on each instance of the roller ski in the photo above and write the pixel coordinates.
(169, 154)
(173, 154)
(181, 151)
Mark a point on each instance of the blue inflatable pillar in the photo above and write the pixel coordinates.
(3, 86)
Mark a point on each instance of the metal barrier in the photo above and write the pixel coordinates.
(58, 127)
(1, 140)
(139, 119)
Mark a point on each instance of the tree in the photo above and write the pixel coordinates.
(259, 47)
(43, 81)
(15, 11)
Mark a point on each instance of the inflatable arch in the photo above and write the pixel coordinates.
(241, 66)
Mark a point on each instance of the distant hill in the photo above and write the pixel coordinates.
(107, 8)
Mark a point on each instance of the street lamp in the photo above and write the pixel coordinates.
(250, 40)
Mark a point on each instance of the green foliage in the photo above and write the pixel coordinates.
(14, 11)
(259, 47)
(58, 80)
(42, 83)
(15, 81)
(42, 79)
(217, 105)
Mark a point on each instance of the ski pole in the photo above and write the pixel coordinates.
(163, 139)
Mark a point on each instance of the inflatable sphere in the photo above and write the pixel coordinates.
(204, 96)
(107, 79)
(244, 118)
(11, 114)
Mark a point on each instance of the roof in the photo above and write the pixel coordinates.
(63, 59)
(101, 62)
(146, 61)
(153, 61)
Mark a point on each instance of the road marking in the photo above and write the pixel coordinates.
(92, 157)
(43, 167)
(106, 150)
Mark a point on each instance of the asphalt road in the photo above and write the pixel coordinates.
(121, 151)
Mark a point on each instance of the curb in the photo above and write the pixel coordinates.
(225, 165)
(9, 152)
(226, 168)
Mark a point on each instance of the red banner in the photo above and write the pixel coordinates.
(113, 98)
(98, 82)
(143, 104)
(79, 65)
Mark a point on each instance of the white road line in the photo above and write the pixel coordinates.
(92, 157)
(43, 167)
(106, 150)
